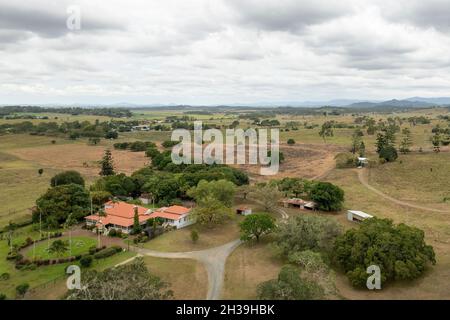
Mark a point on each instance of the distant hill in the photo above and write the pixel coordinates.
(393, 103)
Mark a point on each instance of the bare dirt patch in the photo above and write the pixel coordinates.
(310, 161)
(82, 158)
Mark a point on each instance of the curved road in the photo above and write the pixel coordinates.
(213, 259)
(363, 179)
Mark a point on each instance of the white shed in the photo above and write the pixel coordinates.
(358, 216)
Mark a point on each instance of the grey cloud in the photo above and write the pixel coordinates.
(289, 15)
(35, 19)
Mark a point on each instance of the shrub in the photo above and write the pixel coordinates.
(194, 235)
(22, 289)
(112, 233)
(2, 296)
(86, 261)
(291, 141)
(108, 252)
(5, 276)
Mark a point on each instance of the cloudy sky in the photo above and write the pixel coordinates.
(223, 51)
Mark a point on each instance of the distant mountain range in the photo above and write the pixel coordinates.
(414, 102)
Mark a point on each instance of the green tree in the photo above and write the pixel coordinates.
(399, 250)
(40, 172)
(194, 235)
(107, 164)
(327, 130)
(291, 141)
(289, 286)
(22, 289)
(131, 281)
(406, 142)
(267, 196)
(221, 190)
(58, 247)
(327, 196)
(136, 225)
(256, 225)
(58, 202)
(386, 145)
(356, 141)
(362, 149)
(67, 177)
(436, 141)
(211, 211)
(301, 233)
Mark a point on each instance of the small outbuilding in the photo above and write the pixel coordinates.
(362, 162)
(357, 216)
(245, 211)
(299, 204)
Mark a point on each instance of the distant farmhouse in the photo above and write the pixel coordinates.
(141, 128)
(357, 216)
(299, 204)
(120, 216)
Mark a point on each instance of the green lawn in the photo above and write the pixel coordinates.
(80, 245)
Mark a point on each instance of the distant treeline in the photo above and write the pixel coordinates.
(108, 112)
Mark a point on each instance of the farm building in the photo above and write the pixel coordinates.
(118, 216)
(245, 211)
(362, 162)
(141, 128)
(357, 216)
(174, 216)
(299, 203)
(146, 198)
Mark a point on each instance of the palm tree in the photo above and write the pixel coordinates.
(58, 247)
(68, 225)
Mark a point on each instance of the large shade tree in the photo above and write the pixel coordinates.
(59, 202)
(399, 250)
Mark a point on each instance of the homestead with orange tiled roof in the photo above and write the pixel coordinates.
(120, 216)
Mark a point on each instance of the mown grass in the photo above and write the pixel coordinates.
(80, 245)
(187, 278)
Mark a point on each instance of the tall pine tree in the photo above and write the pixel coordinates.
(107, 164)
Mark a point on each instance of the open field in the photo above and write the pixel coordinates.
(249, 265)
(422, 179)
(180, 240)
(437, 231)
(188, 279)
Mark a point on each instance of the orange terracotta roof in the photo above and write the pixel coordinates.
(121, 214)
(123, 209)
(165, 215)
(175, 210)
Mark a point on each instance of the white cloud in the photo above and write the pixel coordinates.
(223, 51)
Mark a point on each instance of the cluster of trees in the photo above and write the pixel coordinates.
(72, 130)
(399, 250)
(135, 146)
(166, 182)
(328, 196)
(214, 200)
(306, 242)
(441, 136)
(108, 112)
(131, 281)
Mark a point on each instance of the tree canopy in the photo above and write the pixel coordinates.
(256, 225)
(399, 250)
(59, 202)
(131, 281)
(67, 177)
(327, 196)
